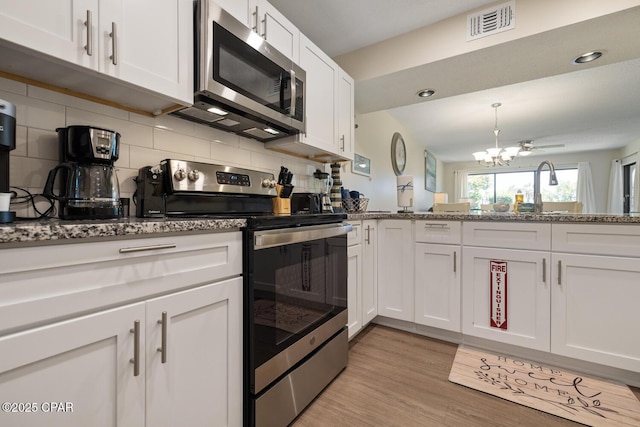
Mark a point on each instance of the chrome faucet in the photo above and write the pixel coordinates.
(537, 197)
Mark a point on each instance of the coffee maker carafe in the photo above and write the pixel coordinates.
(89, 187)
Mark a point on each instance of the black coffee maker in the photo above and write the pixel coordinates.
(89, 187)
(7, 143)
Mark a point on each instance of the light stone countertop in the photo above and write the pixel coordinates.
(504, 217)
(65, 231)
(61, 231)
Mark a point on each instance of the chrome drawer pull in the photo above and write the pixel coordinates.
(163, 345)
(442, 226)
(114, 43)
(89, 24)
(136, 348)
(147, 248)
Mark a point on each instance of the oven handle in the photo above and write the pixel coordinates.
(285, 236)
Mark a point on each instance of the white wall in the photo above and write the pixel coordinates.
(144, 141)
(373, 140)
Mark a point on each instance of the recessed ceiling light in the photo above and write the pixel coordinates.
(587, 57)
(425, 93)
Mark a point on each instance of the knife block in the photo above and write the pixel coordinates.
(281, 206)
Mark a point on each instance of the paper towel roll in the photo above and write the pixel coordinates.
(405, 191)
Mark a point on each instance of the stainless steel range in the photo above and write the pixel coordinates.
(295, 281)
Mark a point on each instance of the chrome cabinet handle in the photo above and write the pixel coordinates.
(294, 90)
(544, 270)
(342, 141)
(136, 348)
(255, 27)
(368, 239)
(114, 43)
(264, 27)
(559, 273)
(163, 345)
(455, 262)
(89, 24)
(442, 226)
(147, 248)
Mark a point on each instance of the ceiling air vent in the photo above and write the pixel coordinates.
(491, 21)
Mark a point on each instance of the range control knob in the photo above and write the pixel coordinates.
(272, 183)
(180, 174)
(194, 175)
(266, 183)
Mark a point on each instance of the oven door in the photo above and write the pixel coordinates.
(297, 296)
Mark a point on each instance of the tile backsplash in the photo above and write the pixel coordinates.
(144, 141)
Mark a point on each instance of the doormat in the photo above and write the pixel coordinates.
(577, 397)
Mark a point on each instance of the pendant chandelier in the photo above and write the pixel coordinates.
(496, 156)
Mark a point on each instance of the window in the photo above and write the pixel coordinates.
(629, 172)
(489, 188)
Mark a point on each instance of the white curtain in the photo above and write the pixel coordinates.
(636, 185)
(460, 189)
(584, 192)
(616, 197)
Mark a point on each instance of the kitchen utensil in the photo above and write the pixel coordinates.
(287, 189)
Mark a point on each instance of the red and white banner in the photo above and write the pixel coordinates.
(498, 278)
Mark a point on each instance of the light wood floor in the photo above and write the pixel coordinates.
(395, 378)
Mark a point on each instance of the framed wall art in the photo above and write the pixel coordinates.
(361, 165)
(429, 171)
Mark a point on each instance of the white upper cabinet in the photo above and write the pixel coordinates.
(146, 43)
(239, 9)
(346, 115)
(56, 27)
(277, 30)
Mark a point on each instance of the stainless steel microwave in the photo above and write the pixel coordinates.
(243, 85)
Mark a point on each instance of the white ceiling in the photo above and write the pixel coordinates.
(594, 108)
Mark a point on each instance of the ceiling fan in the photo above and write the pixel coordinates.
(527, 147)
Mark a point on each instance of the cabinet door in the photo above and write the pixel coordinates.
(150, 51)
(200, 381)
(346, 115)
(54, 27)
(278, 31)
(243, 10)
(321, 93)
(84, 364)
(528, 296)
(594, 302)
(369, 273)
(395, 273)
(437, 286)
(354, 289)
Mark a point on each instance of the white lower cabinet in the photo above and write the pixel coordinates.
(395, 269)
(173, 297)
(527, 297)
(82, 366)
(354, 289)
(369, 273)
(437, 286)
(594, 313)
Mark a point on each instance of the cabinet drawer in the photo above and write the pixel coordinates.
(45, 283)
(508, 235)
(613, 239)
(354, 237)
(438, 232)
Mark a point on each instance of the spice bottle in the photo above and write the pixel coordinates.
(519, 199)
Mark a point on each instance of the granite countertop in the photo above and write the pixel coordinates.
(48, 230)
(507, 216)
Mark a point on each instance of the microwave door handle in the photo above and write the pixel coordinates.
(292, 110)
